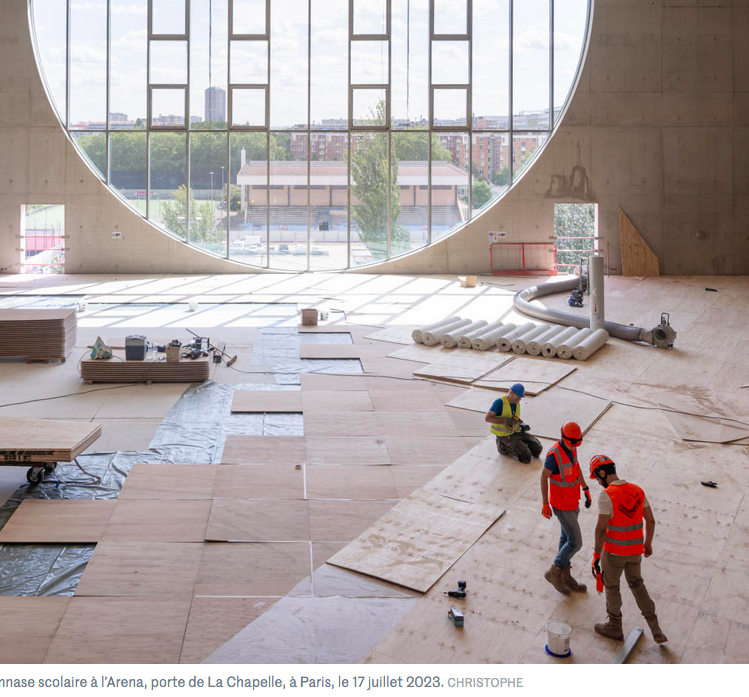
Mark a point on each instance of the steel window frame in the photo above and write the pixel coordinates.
(249, 37)
(153, 35)
(230, 104)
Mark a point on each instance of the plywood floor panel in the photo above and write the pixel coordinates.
(169, 520)
(550, 410)
(336, 400)
(424, 450)
(536, 374)
(159, 482)
(468, 423)
(29, 625)
(336, 351)
(394, 335)
(341, 423)
(389, 367)
(282, 481)
(419, 353)
(57, 521)
(409, 478)
(254, 520)
(334, 521)
(406, 401)
(264, 450)
(418, 423)
(346, 450)
(476, 399)
(267, 401)
(351, 482)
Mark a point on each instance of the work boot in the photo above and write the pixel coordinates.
(554, 577)
(571, 583)
(611, 629)
(658, 635)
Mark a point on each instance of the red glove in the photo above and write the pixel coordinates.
(546, 511)
(587, 498)
(595, 567)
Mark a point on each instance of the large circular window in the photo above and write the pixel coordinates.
(309, 134)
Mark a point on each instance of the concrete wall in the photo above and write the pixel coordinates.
(660, 121)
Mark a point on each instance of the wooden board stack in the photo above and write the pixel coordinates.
(26, 441)
(117, 369)
(37, 334)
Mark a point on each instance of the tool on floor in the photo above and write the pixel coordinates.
(576, 298)
(629, 645)
(456, 616)
(711, 484)
(232, 359)
(460, 593)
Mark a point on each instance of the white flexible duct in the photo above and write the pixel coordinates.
(564, 350)
(434, 336)
(489, 340)
(533, 347)
(504, 343)
(466, 341)
(451, 338)
(520, 345)
(588, 346)
(549, 348)
(418, 334)
(595, 271)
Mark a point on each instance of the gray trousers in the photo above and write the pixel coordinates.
(522, 445)
(613, 565)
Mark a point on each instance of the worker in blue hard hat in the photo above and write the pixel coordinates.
(513, 437)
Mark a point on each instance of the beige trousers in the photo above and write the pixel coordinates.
(612, 566)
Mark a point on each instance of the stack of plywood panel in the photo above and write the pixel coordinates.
(37, 334)
(28, 441)
(117, 369)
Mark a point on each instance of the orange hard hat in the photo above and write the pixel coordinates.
(572, 433)
(598, 461)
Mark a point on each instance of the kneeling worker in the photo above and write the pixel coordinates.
(620, 546)
(561, 480)
(512, 434)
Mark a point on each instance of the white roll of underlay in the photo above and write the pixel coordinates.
(504, 343)
(565, 349)
(434, 336)
(418, 334)
(466, 339)
(533, 347)
(519, 346)
(451, 338)
(489, 339)
(549, 348)
(588, 346)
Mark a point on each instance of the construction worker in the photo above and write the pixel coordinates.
(620, 546)
(561, 481)
(512, 434)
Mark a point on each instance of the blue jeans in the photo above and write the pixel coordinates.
(571, 539)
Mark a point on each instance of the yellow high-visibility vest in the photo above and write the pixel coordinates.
(500, 429)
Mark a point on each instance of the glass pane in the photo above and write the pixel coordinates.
(450, 16)
(450, 107)
(491, 64)
(370, 17)
(524, 146)
(531, 64)
(288, 66)
(329, 66)
(570, 18)
(449, 183)
(370, 107)
(88, 65)
(42, 238)
(249, 62)
(168, 17)
(369, 197)
(288, 200)
(50, 22)
(411, 178)
(208, 191)
(168, 107)
(94, 147)
(128, 64)
(328, 200)
(248, 107)
(369, 62)
(410, 71)
(248, 207)
(491, 164)
(168, 62)
(168, 194)
(128, 154)
(449, 62)
(249, 17)
(208, 63)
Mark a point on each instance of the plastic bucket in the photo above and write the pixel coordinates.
(558, 637)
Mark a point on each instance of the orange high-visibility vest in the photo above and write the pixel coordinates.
(564, 489)
(624, 534)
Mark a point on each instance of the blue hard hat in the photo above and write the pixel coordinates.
(518, 389)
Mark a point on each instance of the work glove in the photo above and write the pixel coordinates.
(587, 498)
(546, 511)
(595, 567)
(525, 428)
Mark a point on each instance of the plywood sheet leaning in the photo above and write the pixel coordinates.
(44, 440)
(535, 375)
(637, 257)
(463, 366)
(549, 411)
(267, 401)
(418, 540)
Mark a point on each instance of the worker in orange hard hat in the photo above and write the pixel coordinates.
(620, 546)
(561, 481)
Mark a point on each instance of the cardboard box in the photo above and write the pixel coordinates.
(309, 317)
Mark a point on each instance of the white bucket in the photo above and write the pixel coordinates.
(558, 636)
(193, 305)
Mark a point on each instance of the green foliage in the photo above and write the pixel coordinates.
(501, 178)
(203, 231)
(235, 201)
(412, 147)
(482, 194)
(573, 220)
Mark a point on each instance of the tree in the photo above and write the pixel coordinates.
(501, 178)
(203, 230)
(482, 194)
(573, 220)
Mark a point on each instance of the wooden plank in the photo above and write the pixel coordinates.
(464, 366)
(346, 450)
(351, 482)
(418, 540)
(410, 478)
(339, 520)
(341, 423)
(169, 482)
(120, 630)
(424, 450)
(267, 401)
(118, 369)
(254, 520)
(29, 625)
(282, 481)
(622, 655)
(638, 258)
(549, 411)
(340, 400)
(264, 450)
(535, 374)
(141, 569)
(406, 401)
(44, 440)
(57, 521)
(170, 520)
